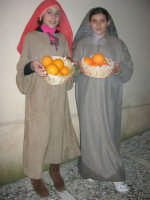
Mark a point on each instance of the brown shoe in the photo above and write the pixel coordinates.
(39, 187)
(54, 172)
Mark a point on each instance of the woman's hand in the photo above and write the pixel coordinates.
(69, 58)
(116, 68)
(37, 67)
(81, 68)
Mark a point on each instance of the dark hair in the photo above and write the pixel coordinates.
(98, 10)
(40, 22)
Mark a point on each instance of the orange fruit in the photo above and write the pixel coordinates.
(46, 60)
(59, 63)
(87, 60)
(52, 69)
(98, 58)
(64, 71)
(59, 74)
(94, 65)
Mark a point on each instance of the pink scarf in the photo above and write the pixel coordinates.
(64, 26)
(50, 31)
(46, 29)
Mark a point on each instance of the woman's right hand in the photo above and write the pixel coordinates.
(37, 67)
(81, 68)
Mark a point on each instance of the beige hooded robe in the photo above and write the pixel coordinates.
(49, 136)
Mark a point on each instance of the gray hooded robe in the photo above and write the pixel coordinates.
(99, 103)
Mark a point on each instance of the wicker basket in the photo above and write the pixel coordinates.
(57, 80)
(97, 72)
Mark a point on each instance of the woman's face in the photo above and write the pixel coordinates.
(99, 24)
(51, 17)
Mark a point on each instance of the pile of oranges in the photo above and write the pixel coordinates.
(97, 59)
(54, 66)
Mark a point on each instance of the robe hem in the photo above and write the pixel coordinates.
(85, 172)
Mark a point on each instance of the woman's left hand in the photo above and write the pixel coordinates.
(116, 68)
(69, 58)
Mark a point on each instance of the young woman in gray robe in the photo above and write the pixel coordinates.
(99, 100)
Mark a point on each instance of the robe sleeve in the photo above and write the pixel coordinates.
(77, 55)
(27, 69)
(25, 83)
(125, 62)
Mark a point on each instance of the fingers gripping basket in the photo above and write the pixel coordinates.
(57, 80)
(97, 72)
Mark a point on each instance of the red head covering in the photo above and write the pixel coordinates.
(64, 26)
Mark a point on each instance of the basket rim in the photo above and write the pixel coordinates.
(65, 76)
(98, 71)
(54, 79)
(109, 60)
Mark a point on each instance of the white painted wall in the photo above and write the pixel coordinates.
(132, 18)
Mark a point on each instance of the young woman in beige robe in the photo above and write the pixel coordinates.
(49, 136)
